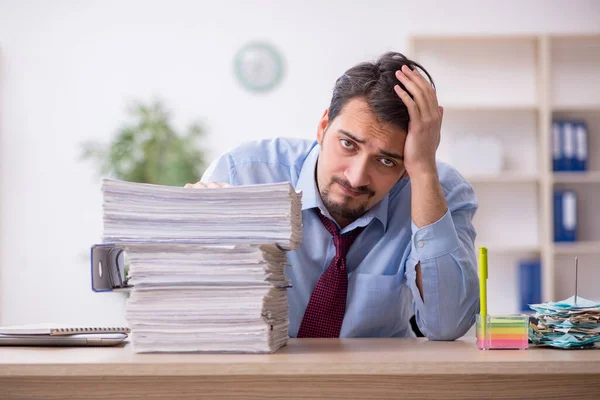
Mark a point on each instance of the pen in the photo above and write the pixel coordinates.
(576, 273)
(483, 274)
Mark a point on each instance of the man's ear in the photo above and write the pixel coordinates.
(323, 123)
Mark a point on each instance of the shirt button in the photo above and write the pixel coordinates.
(420, 243)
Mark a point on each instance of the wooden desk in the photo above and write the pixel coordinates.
(306, 368)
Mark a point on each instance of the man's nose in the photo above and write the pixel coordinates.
(357, 174)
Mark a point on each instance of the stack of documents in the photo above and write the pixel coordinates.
(253, 214)
(206, 265)
(566, 324)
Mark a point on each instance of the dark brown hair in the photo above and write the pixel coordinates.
(375, 81)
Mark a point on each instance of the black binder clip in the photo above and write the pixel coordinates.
(108, 268)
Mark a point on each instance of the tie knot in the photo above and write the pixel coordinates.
(342, 242)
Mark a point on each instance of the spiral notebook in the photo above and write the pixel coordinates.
(58, 329)
(61, 335)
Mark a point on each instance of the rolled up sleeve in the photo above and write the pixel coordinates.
(446, 251)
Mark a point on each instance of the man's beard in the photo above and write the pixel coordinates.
(343, 210)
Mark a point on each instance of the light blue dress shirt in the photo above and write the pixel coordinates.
(382, 290)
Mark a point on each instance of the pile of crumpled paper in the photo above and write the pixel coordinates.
(567, 324)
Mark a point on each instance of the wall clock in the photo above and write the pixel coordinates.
(258, 66)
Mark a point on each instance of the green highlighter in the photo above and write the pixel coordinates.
(483, 274)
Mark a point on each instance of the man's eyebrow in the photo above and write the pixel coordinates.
(351, 136)
(381, 151)
(391, 155)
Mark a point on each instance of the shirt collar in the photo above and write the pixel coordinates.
(312, 199)
(306, 180)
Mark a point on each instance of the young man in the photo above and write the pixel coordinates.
(387, 229)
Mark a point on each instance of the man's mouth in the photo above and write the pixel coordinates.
(351, 192)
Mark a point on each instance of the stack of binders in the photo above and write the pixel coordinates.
(569, 153)
(565, 216)
(569, 145)
(530, 283)
(206, 266)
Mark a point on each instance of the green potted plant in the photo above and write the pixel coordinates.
(149, 150)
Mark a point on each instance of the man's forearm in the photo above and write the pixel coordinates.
(428, 205)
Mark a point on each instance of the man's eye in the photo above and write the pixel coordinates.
(347, 144)
(387, 162)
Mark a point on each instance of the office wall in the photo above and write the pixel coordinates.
(68, 69)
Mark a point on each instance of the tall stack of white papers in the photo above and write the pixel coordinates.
(206, 265)
(566, 324)
(253, 214)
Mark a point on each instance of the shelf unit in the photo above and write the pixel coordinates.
(509, 249)
(577, 248)
(510, 88)
(577, 177)
(510, 177)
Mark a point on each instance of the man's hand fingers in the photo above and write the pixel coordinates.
(206, 185)
(413, 110)
(212, 185)
(424, 84)
(420, 98)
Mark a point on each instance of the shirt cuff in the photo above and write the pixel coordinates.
(435, 240)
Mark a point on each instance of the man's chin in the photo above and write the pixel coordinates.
(342, 201)
(345, 209)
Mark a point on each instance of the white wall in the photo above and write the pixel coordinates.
(68, 68)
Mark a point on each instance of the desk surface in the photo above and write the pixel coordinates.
(305, 368)
(304, 356)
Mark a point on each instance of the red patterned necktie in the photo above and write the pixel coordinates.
(326, 308)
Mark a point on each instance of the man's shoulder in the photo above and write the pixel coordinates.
(261, 161)
(279, 151)
(458, 191)
(449, 176)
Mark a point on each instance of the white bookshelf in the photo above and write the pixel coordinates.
(579, 248)
(507, 177)
(510, 88)
(577, 177)
(512, 249)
